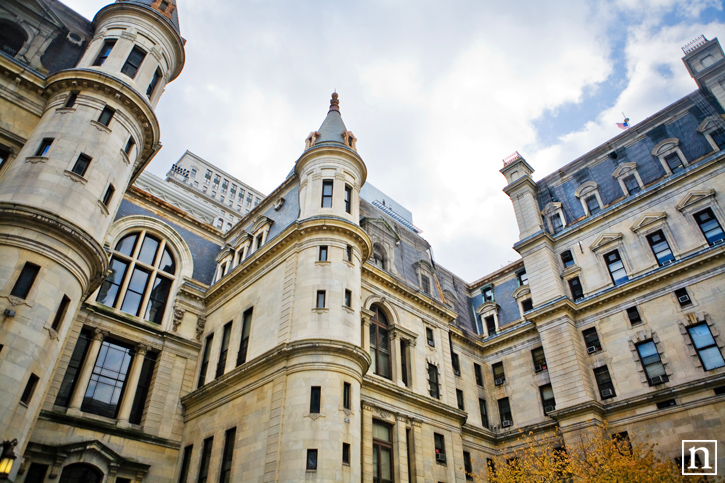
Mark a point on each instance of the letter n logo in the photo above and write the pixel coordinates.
(699, 457)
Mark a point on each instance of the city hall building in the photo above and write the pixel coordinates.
(194, 329)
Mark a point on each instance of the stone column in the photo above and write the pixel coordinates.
(367, 442)
(418, 475)
(401, 449)
(412, 368)
(124, 411)
(84, 376)
(396, 367)
(366, 333)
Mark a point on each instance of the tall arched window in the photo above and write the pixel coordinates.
(142, 273)
(379, 256)
(380, 343)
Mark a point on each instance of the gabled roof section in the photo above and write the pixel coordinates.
(165, 8)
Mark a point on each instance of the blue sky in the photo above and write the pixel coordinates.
(437, 93)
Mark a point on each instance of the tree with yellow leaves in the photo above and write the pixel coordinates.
(594, 457)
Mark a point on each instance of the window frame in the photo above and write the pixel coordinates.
(106, 116)
(204, 367)
(483, 412)
(662, 260)
(327, 194)
(378, 446)
(80, 167)
(379, 324)
(652, 380)
(439, 444)
(25, 281)
(539, 359)
(225, 470)
(504, 403)
(709, 211)
(104, 52)
(44, 147)
(315, 399)
(434, 389)
(545, 403)
(223, 350)
(478, 373)
(591, 340)
(499, 377)
(321, 299)
(244, 336)
(610, 263)
(698, 350)
(602, 383)
(129, 68)
(348, 199)
(576, 295)
(322, 254)
(205, 460)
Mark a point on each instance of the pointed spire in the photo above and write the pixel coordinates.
(334, 102)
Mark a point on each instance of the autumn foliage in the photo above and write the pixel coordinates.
(594, 457)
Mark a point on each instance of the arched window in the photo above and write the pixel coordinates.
(12, 38)
(81, 473)
(142, 273)
(379, 256)
(380, 343)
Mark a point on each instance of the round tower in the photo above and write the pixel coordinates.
(59, 195)
(323, 419)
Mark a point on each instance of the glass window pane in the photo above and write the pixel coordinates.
(167, 262)
(126, 244)
(381, 432)
(134, 294)
(157, 299)
(711, 358)
(647, 349)
(386, 467)
(701, 336)
(148, 250)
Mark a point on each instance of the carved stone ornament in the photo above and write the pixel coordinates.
(178, 315)
(383, 414)
(200, 324)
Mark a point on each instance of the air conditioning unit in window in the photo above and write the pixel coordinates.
(658, 380)
(591, 349)
(440, 458)
(683, 299)
(538, 368)
(506, 424)
(548, 409)
(668, 262)
(718, 242)
(607, 393)
(498, 382)
(456, 372)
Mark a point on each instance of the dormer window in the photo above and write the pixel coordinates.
(163, 5)
(487, 293)
(592, 205)
(629, 179)
(713, 132)
(630, 182)
(522, 278)
(670, 155)
(588, 194)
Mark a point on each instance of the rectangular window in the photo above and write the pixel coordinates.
(221, 364)
(105, 52)
(133, 62)
(490, 325)
(129, 145)
(440, 448)
(455, 361)
(709, 226)
(660, 248)
(468, 465)
(60, 313)
(484, 412)
(504, 409)
(666, 404)
(425, 284)
(205, 458)
(459, 400)
(244, 343)
(315, 393)
(577, 291)
(429, 336)
(225, 474)
(706, 347)
(44, 147)
(348, 253)
(25, 281)
(522, 278)
(70, 101)
(205, 360)
(348, 199)
(81, 165)
(185, 464)
(67, 386)
(478, 373)
(29, 389)
(652, 363)
(383, 457)
(539, 359)
(108, 379)
(674, 162)
(348, 298)
(311, 460)
(592, 205)
(327, 193)
(604, 382)
(346, 454)
(556, 223)
(347, 395)
(154, 82)
(718, 135)
(142, 389)
(323, 254)
(527, 305)
(225, 185)
(591, 340)
(499, 377)
(547, 398)
(615, 267)
(567, 259)
(633, 316)
(487, 293)
(108, 195)
(630, 182)
(683, 297)
(320, 299)
(433, 388)
(106, 116)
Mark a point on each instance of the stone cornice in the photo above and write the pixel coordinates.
(52, 225)
(340, 151)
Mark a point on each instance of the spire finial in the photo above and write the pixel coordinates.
(334, 103)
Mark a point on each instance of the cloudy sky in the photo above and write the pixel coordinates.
(437, 93)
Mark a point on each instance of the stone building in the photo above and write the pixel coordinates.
(315, 338)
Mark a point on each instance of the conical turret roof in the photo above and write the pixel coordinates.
(165, 8)
(332, 128)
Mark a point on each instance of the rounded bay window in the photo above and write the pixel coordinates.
(143, 270)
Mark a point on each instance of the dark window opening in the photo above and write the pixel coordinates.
(556, 223)
(383, 456)
(154, 82)
(44, 147)
(484, 412)
(129, 145)
(348, 298)
(455, 361)
(479, 374)
(666, 404)
(504, 409)
(718, 135)
(25, 281)
(425, 284)
(527, 305)
(490, 325)
(522, 278)
(604, 382)
(429, 336)
(311, 460)
(683, 297)
(348, 199)
(660, 248)
(142, 389)
(674, 162)
(105, 52)
(81, 165)
(346, 453)
(106, 116)
(404, 361)
(108, 195)
(133, 62)
(567, 259)
(322, 254)
(499, 377)
(593, 205)
(379, 343)
(347, 396)
(591, 340)
(630, 182)
(225, 473)
(205, 360)
(320, 299)
(60, 313)
(315, 394)
(224, 350)
(577, 291)
(327, 193)
(547, 398)
(459, 400)
(433, 387)
(108, 379)
(633, 316)
(244, 343)
(487, 293)
(539, 359)
(67, 387)
(440, 448)
(615, 267)
(205, 459)
(29, 389)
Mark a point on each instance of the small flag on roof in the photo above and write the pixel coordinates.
(624, 125)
